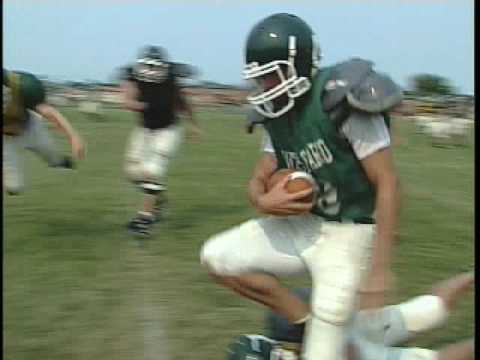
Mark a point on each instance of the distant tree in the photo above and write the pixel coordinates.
(429, 84)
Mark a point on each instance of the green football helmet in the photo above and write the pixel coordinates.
(283, 45)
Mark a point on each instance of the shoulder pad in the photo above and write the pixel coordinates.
(127, 73)
(362, 87)
(184, 70)
(344, 76)
(375, 94)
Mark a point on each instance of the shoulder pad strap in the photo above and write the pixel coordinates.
(344, 76)
(253, 118)
(375, 94)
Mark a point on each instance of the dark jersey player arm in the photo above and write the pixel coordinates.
(130, 95)
(183, 105)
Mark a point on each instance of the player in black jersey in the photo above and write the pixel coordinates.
(151, 88)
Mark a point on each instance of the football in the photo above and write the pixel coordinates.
(298, 181)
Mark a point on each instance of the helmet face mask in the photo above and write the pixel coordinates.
(289, 86)
(152, 66)
(151, 70)
(280, 46)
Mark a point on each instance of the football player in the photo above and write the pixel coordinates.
(151, 88)
(24, 109)
(333, 123)
(372, 334)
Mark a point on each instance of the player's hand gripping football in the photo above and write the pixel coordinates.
(278, 201)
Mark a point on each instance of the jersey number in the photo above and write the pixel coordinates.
(327, 199)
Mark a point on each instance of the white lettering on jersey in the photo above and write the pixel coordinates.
(312, 157)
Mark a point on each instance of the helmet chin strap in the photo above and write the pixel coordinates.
(267, 109)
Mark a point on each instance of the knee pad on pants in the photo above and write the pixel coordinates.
(211, 259)
(145, 172)
(133, 171)
(423, 313)
(418, 354)
(334, 296)
(214, 256)
(13, 185)
(14, 190)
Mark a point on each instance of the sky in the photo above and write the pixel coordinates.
(90, 39)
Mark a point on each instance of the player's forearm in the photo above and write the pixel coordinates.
(191, 119)
(387, 212)
(256, 188)
(263, 170)
(55, 117)
(130, 95)
(134, 105)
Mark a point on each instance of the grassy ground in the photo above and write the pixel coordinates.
(76, 286)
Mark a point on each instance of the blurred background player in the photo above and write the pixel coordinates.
(373, 334)
(331, 122)
(24, 109)
(151, 88)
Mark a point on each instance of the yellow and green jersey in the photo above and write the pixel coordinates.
(308, 140)
(21, 92)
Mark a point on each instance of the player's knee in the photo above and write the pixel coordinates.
(133, 171)
(152, 188)
(423, 313)
(332, 311)
(13, 188)
(333, 299)
(214, 259)
(211, 259)
(419, 354)
(333, 302)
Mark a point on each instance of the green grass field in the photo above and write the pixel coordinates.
(77, 286)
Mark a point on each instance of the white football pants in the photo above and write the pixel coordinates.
(149, 153)
(335, 254)
(35, 138)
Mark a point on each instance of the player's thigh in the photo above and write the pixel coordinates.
(136, 144)
(339, 253)
(258, 245)
(38, 140)
(165, 142)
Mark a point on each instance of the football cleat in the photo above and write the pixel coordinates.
(141, 224)
(65, 163)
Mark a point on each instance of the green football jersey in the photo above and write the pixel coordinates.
(21, 92)
(308, 140)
